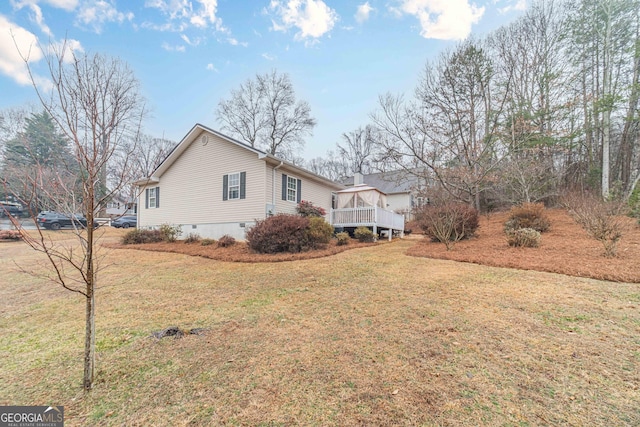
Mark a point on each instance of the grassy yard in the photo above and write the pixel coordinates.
(366, 337)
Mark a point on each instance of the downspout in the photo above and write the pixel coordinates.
(273, 185)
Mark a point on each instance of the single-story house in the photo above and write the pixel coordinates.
(212, 185)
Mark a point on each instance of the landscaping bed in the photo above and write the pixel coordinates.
(566, 248)
(240, 252)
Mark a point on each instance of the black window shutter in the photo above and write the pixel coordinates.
(284, 187)
(225, 187)
(146, 199)
(299, 198)
(243, 185)
(157, 197)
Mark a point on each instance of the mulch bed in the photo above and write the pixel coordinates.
(566, 248)
(240, 252)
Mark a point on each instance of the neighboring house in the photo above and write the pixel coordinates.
(120, 205)
(404, 191)
(212, 185)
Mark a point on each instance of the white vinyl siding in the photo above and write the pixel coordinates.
(192, 187)
(312, 191)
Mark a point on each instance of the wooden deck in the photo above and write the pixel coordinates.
(371, 216)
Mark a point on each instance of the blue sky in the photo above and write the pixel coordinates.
(189, 54)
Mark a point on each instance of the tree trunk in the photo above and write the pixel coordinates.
(626, 149)
(90, 314)
(89, 339)
(607, 98)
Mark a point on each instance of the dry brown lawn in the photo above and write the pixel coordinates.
(369, 336)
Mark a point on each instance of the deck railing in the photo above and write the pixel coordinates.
(366, 216)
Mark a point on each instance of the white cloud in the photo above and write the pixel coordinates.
(234, 42)
(185, 12)
(36, 14)
(442, 19)
(191, 41)
(65, 49)
(95, 13)
(212, 67)
(16, 43)
(363, 12)
(177, 48)
(520, 6)
(68, 5)
(313, 18)
(268, 57)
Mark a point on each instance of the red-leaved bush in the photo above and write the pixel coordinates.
(279, 233)
(306, 208)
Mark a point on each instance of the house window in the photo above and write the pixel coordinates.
(152, 197)
(292, 189)
(234, 186)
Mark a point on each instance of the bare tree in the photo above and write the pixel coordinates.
(451, 128)
(359, 149)
(138, 158)
(264, 113)
(331, 166)
(96, 103)
(243, 114)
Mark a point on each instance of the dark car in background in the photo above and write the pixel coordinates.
(125, 221)
(56, 220)
(10, 208)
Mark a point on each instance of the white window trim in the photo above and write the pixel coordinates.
(295, 189)
(234, 187)
(152, 197)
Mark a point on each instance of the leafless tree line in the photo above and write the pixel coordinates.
(545, 103)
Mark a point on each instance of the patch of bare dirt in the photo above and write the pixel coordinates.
(566, 248)
(240, 252)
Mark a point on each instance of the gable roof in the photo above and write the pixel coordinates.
(392, 182)
(198, 129)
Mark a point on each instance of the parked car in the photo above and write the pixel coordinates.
(56, 220)
(125, 221)
(10, 208)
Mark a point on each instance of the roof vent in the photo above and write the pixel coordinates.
(205, 139)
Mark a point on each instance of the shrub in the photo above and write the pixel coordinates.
(135, 237)
(527, 215)
(524, 237)
(343, 238)
(448, 223)
(226, 241)
(170, 233)
(308, 209)
(192, 238)
(279, 233)
(10, 235)
(601, 219)
(363, 234)
(208, 242)
(319, 232)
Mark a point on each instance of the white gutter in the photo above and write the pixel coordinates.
(273, 184)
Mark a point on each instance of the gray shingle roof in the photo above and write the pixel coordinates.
(388, 182)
